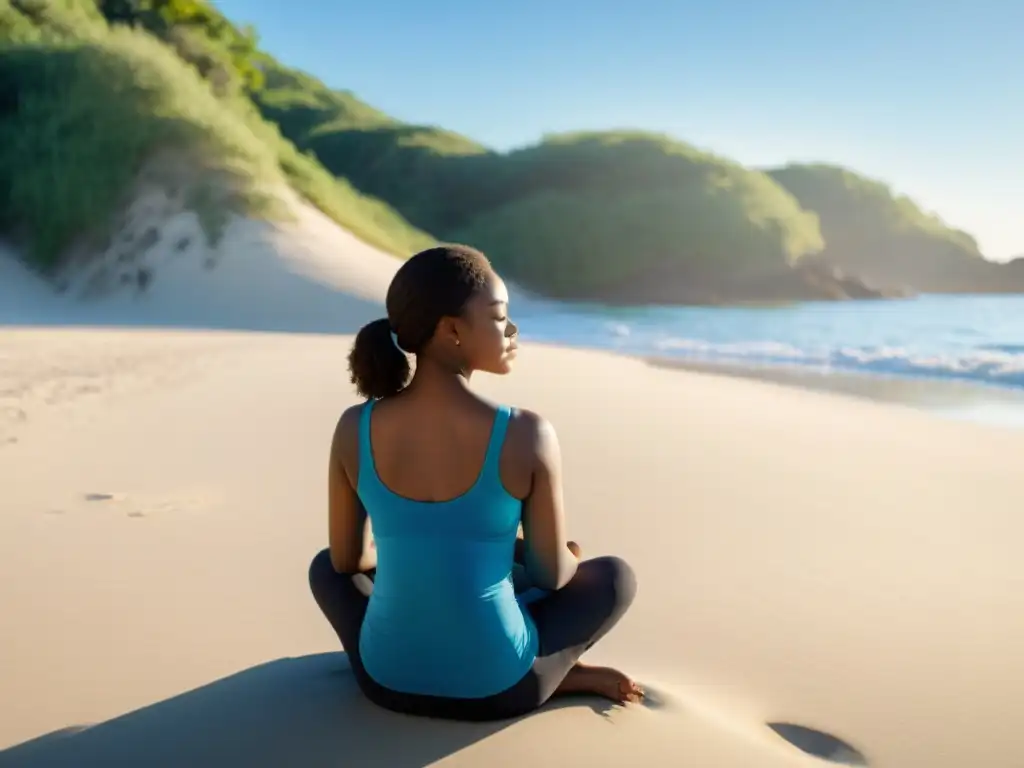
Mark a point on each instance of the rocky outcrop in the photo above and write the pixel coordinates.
(812, 280)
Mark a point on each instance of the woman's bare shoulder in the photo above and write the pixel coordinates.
(347, 427)
(532, 432)
(345, 442)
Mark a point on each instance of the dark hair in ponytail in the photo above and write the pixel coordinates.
(433, 284)
(378, 367)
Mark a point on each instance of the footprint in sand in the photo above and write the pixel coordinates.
(810, 741)
(102, 497)
(819, 744)
(146, 506)
(13, 414)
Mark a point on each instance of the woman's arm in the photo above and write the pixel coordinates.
(549, 563)
(351, 545)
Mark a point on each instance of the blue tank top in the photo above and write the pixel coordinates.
(443, 619)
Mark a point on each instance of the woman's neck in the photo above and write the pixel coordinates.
(436, 381)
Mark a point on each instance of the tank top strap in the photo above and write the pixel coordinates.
(492, 460)
(367, 472)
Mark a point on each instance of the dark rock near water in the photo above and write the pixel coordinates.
(807, 281)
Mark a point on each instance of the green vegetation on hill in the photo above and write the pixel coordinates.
(421, 171)
(598, 215)
(84, 107)
(299, 103)
(93, 91)
(589, 215)
(81, 118)
(223, 54)
(623, 215)
(563, 215)
(884, 237)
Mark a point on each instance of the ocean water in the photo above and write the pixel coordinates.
(963, 340)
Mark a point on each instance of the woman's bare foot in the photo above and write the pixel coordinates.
(602, 681)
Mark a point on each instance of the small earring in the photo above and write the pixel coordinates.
(458, 343)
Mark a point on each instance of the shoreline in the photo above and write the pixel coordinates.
(958, 400)
(952, 399)
(292, 285)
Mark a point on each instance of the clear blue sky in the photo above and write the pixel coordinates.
(928, 96)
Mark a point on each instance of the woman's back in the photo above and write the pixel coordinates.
(443, 618)
(443, 479)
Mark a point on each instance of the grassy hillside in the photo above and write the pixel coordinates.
(597, 214)
(91, 91)
(584, 215)
(84, 106)
(560, 215)
(885, 237)
(427, 174)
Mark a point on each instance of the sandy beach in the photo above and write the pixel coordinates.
(803, 557)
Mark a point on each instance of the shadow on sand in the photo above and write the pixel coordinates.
(304, 711)
(819, 744)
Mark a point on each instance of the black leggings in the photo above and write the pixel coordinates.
(568, 622)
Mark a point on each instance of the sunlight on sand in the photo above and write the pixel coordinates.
(818, 575)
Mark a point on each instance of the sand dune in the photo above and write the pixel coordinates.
(301, 274)
(804, 559)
